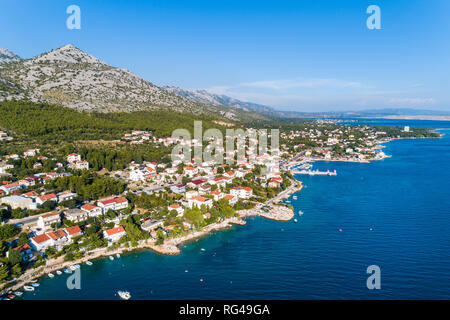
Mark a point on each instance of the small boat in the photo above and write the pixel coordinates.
(88, 263)
(58, 273)
(294, 197)
(295, 220)
(28, 288)
(118, 255)
(11, 296)
(202, 249)
(35, 284)
(51, 275)
(300, 213)
(73, 268)
(67, 271)
(125, 295)
(18, 293)
(111, 258)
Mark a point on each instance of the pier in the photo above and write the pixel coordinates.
(315, 172)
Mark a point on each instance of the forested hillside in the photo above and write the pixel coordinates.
(46, 123)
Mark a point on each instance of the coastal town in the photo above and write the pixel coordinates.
(65, 213)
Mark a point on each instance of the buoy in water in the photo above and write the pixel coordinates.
(340, 230)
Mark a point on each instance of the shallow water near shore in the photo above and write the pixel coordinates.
(393, 213)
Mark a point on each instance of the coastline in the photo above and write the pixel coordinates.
(169, 247)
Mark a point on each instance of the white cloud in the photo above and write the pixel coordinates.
(322, 93)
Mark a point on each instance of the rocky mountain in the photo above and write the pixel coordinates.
(203, 96)
(7, 56)
(70, 77)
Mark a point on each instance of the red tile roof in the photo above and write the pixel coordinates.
(51, 214)
(73, 230)
(88, 207)
(114, 231)
(58, 234)
(41, 238)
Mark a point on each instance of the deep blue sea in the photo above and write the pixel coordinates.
(393, 213)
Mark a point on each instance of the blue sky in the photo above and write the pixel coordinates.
(294, 55)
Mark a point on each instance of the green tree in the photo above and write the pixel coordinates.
(4, 272)
(14, 257)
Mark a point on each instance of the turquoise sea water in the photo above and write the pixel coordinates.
(393, 213)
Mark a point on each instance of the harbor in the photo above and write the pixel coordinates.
(315, 172)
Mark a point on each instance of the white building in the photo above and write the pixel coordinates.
(46, 220)
(114, 234)
(92, 210)
(199, 201)
(242, 192)
(73, 158)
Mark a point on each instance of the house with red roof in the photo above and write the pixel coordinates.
(179, 209)
(242, 192)
(47, 197)
(114, 234)
(73, 232)
(73, 158)
(46, 220)
(92, 210)
(26, 252)
(41, 242)
(116, 203)
(199, 201)
(232, 199)
(58, 237)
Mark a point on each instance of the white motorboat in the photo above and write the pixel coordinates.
(58, 273)
(111, 258)
(300, 213)
(28, 288)
(51, 275)
(295, 220)
(88, 263)
(118, 255)
(294, 197)
(18, 293)
(125, 295)
(35, 284)
(73, 268)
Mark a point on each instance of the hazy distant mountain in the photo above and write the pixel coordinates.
(70, 77)
(7, 56)
(404, 112)
(203, 96)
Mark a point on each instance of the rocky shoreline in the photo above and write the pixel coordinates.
(169, 247)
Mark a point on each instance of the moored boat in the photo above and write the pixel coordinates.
(18, 293)
(51, 275)
(28, 288)
(88, 263)
(35, 284)
(118, 255)
(124, 295)
(58, 273)
(111, 258)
